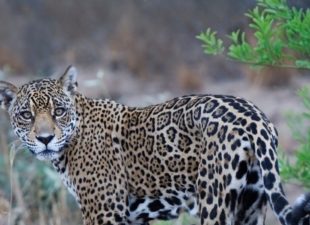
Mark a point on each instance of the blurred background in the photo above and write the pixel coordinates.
(137, 52)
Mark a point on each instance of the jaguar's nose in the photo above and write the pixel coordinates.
(45, 140)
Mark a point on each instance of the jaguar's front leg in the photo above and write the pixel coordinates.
(105, 204)
(103, 193)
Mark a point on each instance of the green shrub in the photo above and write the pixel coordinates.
(280, 36)
(299, 170)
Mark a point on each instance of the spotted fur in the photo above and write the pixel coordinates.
(211, 155)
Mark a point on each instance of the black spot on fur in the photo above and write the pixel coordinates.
(117, 218)
(233, 199)
(250, 196)
(213, 212)
(203, 172)
(223, 217)
(255, 117)
(171, 103)
(135, 205)
(181, 102)
(229, 117)
(271, 154)
(163, 120)
(235, 162)
(116, 140)
(252, 127)
(269, 180)
(212, 128)
(242, 170)
(261, 146)
(210, 199)
(202, 194)
(204, 213)
(236, 144)
(220, 111)
(176, 115)
(197, 113)
(222, 133)
(228, 179)
(144, 216)
(252, 177)
(172, 133)
(155, 205)
(173, 201)
(266, 164)
(240, 121)
(278, 202)
(210, 106)
(227, 200)
(264, 134)
(204, 123)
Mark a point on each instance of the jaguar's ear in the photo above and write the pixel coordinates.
(7, 94)
(68, 80)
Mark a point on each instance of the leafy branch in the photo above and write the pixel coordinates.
(211, 44)
(280, 37)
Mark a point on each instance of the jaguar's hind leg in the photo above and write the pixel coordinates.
(222, 178)
(252, 202)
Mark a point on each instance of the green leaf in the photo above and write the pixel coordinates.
(235, 36)
(211, 44)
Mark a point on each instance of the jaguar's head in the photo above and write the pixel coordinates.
(42, 112)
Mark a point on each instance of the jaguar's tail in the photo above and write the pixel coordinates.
(301, 210)
(299, 213)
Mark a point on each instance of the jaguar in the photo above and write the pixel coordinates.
(213, 156)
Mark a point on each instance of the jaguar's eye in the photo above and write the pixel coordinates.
(27, 115)
(59, 111)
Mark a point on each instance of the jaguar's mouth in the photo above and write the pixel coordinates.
(47, 154)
